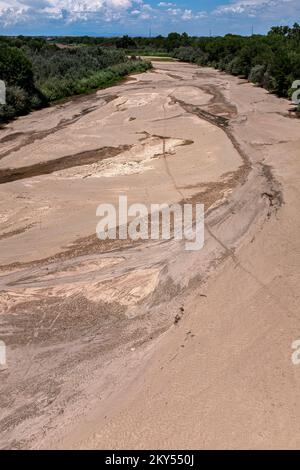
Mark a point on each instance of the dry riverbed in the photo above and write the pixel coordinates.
(121, 344)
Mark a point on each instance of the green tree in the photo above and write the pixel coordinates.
(15, 68)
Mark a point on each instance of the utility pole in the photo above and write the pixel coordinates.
(252, 30)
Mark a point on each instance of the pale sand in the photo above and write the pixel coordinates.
(94, 361)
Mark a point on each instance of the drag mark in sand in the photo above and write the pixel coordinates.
(8, 175)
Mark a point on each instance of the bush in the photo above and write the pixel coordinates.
(37, 73)
(17, 103)
(18, 98)
(15, 68)
(55, 89)
(257, 74)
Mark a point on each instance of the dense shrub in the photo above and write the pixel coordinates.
(55, 88)
(15, 68)
(36, 72)
(257, 74)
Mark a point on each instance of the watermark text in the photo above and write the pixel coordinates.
(160, 222)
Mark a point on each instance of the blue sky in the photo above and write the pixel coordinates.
(136, 17)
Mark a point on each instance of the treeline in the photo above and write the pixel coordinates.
(37, 73)
(64, 72)
(40, 70)
(151, 44)
(271, 61)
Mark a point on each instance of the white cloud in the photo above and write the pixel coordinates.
(133, 13)
(166, 4)
(174, 11)
(187, 15)
(20, 11)
(254, 8)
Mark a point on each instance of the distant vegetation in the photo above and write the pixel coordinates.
(271, 61)
(38, 70)
(37, 73)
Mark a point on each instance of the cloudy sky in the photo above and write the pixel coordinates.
(136, 17)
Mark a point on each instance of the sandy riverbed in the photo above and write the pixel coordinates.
(144, 345)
